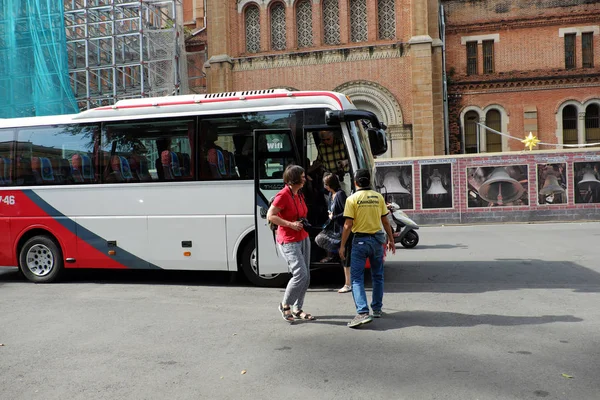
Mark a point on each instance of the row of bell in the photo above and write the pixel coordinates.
(499, 187)
(392, 184)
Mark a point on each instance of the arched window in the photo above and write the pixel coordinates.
(470, 123)
(569, 117)
(304, 23)
(493, 140)
(358, 21)
(252, 19)
(592, 124)
(278, 41)
(386, 15)
(331, 22)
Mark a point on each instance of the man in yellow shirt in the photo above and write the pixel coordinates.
(365, 213)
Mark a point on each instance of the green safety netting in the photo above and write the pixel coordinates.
(34, 75)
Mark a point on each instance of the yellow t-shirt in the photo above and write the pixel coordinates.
(365, 207)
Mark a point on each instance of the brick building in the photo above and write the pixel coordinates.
(521, 67)
(385, 54)
(514, 66)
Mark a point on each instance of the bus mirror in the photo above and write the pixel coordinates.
(335, 117)
(378, 141)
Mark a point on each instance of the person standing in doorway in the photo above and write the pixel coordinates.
(333, 157)
(365, 213)
(288, 211)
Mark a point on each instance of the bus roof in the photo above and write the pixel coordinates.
(192, 104)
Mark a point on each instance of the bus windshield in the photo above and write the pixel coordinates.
(361, 146)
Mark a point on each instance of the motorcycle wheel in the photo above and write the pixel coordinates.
(410, 240)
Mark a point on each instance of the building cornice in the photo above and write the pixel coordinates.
(496, 85)
(521, 23)
(325, 56)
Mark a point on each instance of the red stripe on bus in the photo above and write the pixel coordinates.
(25, 215)
(225, 99)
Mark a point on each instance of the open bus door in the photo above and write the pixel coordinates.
(274, 149)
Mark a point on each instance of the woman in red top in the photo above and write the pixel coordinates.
(287, 211)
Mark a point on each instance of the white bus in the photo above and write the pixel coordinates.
(167, 183)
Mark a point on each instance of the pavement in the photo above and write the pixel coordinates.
(473, 312)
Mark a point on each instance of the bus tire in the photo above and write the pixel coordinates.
(41, 260)
(249, 265)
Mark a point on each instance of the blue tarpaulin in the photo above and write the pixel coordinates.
(34, 74)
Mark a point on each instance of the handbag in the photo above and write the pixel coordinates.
(328, 239)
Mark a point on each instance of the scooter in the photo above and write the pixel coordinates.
(405, 232)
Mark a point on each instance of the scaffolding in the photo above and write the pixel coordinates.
(121, 49)
(34, 79)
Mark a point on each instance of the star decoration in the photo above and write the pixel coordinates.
(530, 141)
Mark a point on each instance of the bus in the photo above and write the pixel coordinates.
(169, 183)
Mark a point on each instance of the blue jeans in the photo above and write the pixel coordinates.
(364, 247)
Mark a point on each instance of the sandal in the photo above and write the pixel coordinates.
(345, 289)
(303, 315)
(286, 313)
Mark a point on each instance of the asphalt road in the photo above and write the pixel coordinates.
(481, 312)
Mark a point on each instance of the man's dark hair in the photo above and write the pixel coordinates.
(293, 174)
(363, 178)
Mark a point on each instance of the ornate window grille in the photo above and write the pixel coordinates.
(304, 23)
(331, 22)
(386, 14)
(587, 49)
(358, 21)
(278, 41)
(252, 18)
(570, 51)
(488, 56)
(592, 124)
(493, 141)
(471, 132)
(471, 58)
(569, 117)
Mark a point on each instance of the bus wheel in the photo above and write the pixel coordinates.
(249, 266)
(40, 259)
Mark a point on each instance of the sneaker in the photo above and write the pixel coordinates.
(360, 319)
(377, 313)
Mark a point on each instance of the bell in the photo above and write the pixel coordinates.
(500, 188)
(436, 186)
(589, 181)
(551, 186)
(392, 184)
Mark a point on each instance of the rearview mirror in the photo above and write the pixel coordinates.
(378, 141)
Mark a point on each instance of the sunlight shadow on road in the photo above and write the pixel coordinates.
(435, 319)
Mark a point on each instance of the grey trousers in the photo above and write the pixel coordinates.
(297, 255)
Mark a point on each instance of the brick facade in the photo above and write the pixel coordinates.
(401, 79)
(398, 78)
(530, 84)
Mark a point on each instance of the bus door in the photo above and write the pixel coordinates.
(274, 149)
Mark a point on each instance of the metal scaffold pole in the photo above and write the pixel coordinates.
(120, 49)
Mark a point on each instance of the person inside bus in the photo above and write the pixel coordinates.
(332, 156)
(288, 211)
(330, 237)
